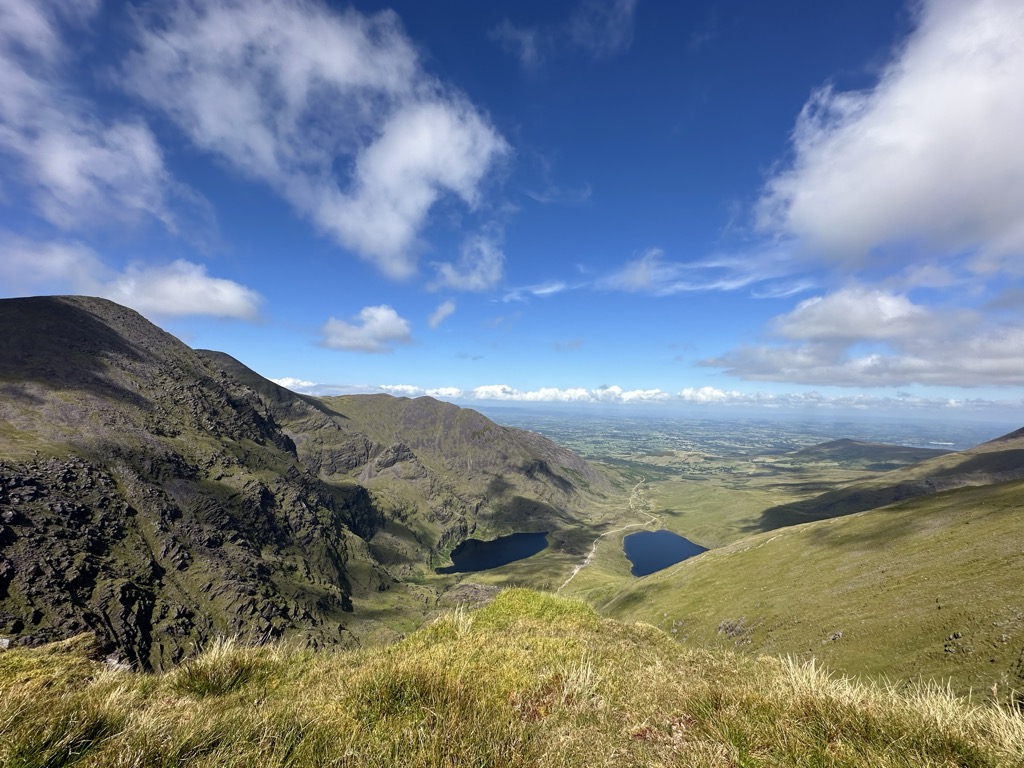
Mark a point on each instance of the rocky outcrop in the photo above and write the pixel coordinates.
(159, 496)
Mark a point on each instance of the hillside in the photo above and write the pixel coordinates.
(160, 497)
(438, 472)
(995, 461)
(869, 456)
(529, 680)
(927, 589)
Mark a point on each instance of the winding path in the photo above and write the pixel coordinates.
(633, 501)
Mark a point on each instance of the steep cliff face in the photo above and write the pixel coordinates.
(149, 497)
(161, 496)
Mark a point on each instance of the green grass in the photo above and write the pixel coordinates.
(929, 589)
(531, 679)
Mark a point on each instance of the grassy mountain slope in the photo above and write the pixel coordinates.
(869, 456)
(929, 588)
(528, 680)
(159, 497)
(998, 460)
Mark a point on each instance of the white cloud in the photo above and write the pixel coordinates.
(54, 266)
(181, 288)
(928, 157)
(402, 390)
(868, 337)
(331, 109)
(553, 193)
(599, 29)
(703, 397)
(444, 310)
(79, 170)
(296, 385)
(607, 394)
(377, 329)
(652, 273)
(541, 290)
(854, 314)
(603, 28)
(706, 395)
(176, 289)
(525, 43)
(480, 264)
(444, 392)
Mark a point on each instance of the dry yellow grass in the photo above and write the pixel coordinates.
(531, 679)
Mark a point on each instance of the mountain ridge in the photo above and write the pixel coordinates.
(159, 496)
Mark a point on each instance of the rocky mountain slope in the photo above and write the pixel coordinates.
(160, 497)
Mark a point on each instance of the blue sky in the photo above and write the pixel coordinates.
(786, 205)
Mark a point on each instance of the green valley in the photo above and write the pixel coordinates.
(157, 500)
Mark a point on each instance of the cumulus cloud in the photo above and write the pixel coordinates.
(444, 310)
(480, 265)
(376, 329)
(599, 29)
(78, 169)
(853, 314)
(331, 109)
(296, 385)
(929, 157)
(176, 289)
(411, 390)
(181, 288)
(868, 337)
(653, 274)
(706, 396)
(604, 394)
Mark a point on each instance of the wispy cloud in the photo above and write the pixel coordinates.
(558, 194)
(289, 93)
(598, 29)
(444, 310)
(161, 290)
(652, 273)
(78, 169)
(479, 267)
(928, 157)
(540, 290)
(375, 329)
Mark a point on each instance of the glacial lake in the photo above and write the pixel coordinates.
(650, 551)
(476, 555)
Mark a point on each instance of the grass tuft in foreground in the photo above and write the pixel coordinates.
(531, 679)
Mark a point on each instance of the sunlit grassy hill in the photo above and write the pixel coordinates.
(529, 680)
(929, 588)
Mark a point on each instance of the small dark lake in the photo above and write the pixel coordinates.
(650, 551)
(476, 555)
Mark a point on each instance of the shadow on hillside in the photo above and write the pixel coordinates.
(979, 469)
(53, 342)
(829, 505)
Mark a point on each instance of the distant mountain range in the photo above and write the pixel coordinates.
(160, 496)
